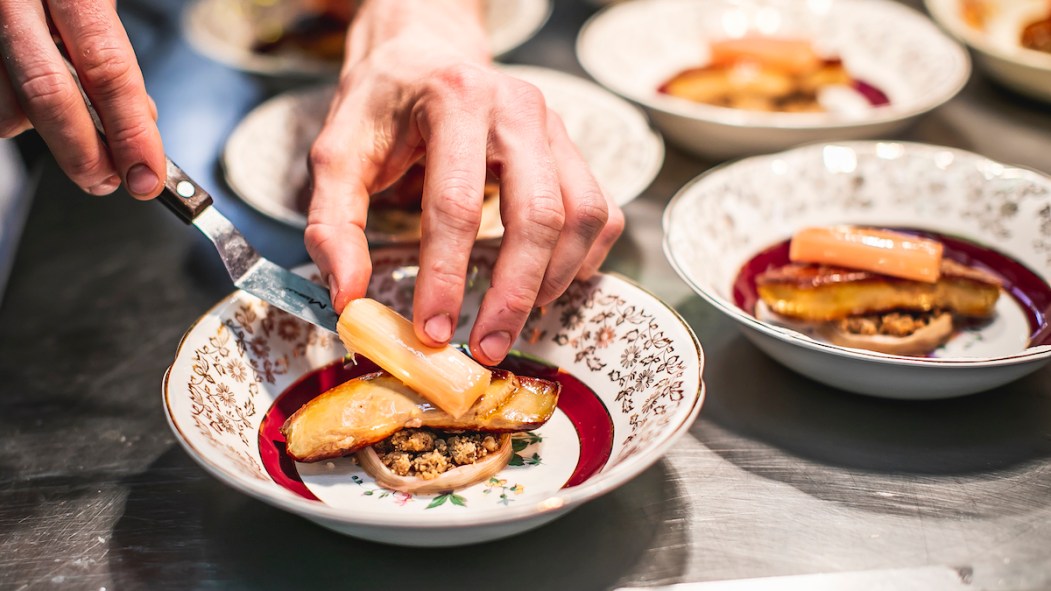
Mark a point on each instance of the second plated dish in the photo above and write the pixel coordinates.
(637, 47)
(727, 226)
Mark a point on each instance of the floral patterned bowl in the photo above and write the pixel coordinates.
(631, 387)
(225, 30)
(634, 47)
(996, 40)
(720, 221)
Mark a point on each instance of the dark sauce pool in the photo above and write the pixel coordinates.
(1031, 292)
(581, 405)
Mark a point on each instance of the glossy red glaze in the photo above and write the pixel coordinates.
(580, 404)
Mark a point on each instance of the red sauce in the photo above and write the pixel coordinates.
(1031, 292)
(589, 416)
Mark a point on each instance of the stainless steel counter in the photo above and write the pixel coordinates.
(780, 476)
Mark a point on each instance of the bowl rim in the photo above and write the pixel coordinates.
(560, 500)
(739, 118)
(294, 67)
(941, 13)
(796, 338)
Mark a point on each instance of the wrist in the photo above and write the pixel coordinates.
(455, 25)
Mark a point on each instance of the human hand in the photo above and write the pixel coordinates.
(37, 90)
(417, 82)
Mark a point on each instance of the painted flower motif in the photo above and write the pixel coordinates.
(571, 318)
(518, 489)
(288, 328)
(260, 348)
(224, 394)
(237, 370)
(630, 356)
(604, 337)
(402, 498)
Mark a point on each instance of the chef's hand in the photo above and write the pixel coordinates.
(417, 81)
(37, 90)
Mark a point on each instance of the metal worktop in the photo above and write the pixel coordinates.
(780, 475)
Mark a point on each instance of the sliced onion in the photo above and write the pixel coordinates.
(453, 479)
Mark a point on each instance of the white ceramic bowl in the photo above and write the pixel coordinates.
(225, 31)
(723, 218)
(634, 47)
(265, 158)
(640, 359)
(998, 45)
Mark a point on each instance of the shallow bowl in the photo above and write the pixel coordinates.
(639, 389)
(634, 47)
(721, 220)
(997, 43)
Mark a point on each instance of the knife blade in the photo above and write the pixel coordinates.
(249, 271)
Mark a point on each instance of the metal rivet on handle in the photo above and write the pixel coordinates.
(185, 189)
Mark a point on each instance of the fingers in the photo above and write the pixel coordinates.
(533, 215)
(586, 213)
(50, 98)
(13, 120)
(335, 233)
(452, 209)
(102, 54)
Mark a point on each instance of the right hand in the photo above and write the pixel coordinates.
(38, 91)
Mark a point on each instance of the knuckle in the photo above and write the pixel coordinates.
(444, 277)
(48, 92)
(456, 207)
(87, 166)
(323, 155)
(614, 224)
(544, 219)
(106, 66)
(589, 215)
(129, 133)
(316, 236)
(459, 80)
(519, 300)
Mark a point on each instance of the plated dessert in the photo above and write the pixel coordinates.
(724, 79)
(773, 74)
(433, 420)
(874, 289)
(245, 369)
(923, 294)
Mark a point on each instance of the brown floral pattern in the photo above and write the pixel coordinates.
(243, 352)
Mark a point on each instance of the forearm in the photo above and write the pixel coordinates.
(458, 25)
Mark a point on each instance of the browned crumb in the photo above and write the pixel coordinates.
(427, 454)
(897, 324)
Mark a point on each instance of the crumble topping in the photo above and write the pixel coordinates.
(895, 324)
(426, 454)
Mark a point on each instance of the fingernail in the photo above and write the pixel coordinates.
(142, 180)
(106, 187)
(495, 345)
(333, 288)
(439, 327)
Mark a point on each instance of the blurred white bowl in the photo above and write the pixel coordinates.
(225, 30)
(634, 47)
(725, 217)
(998, 46)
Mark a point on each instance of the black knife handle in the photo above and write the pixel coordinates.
(182, 195)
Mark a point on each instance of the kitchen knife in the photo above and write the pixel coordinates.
(251, 272)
